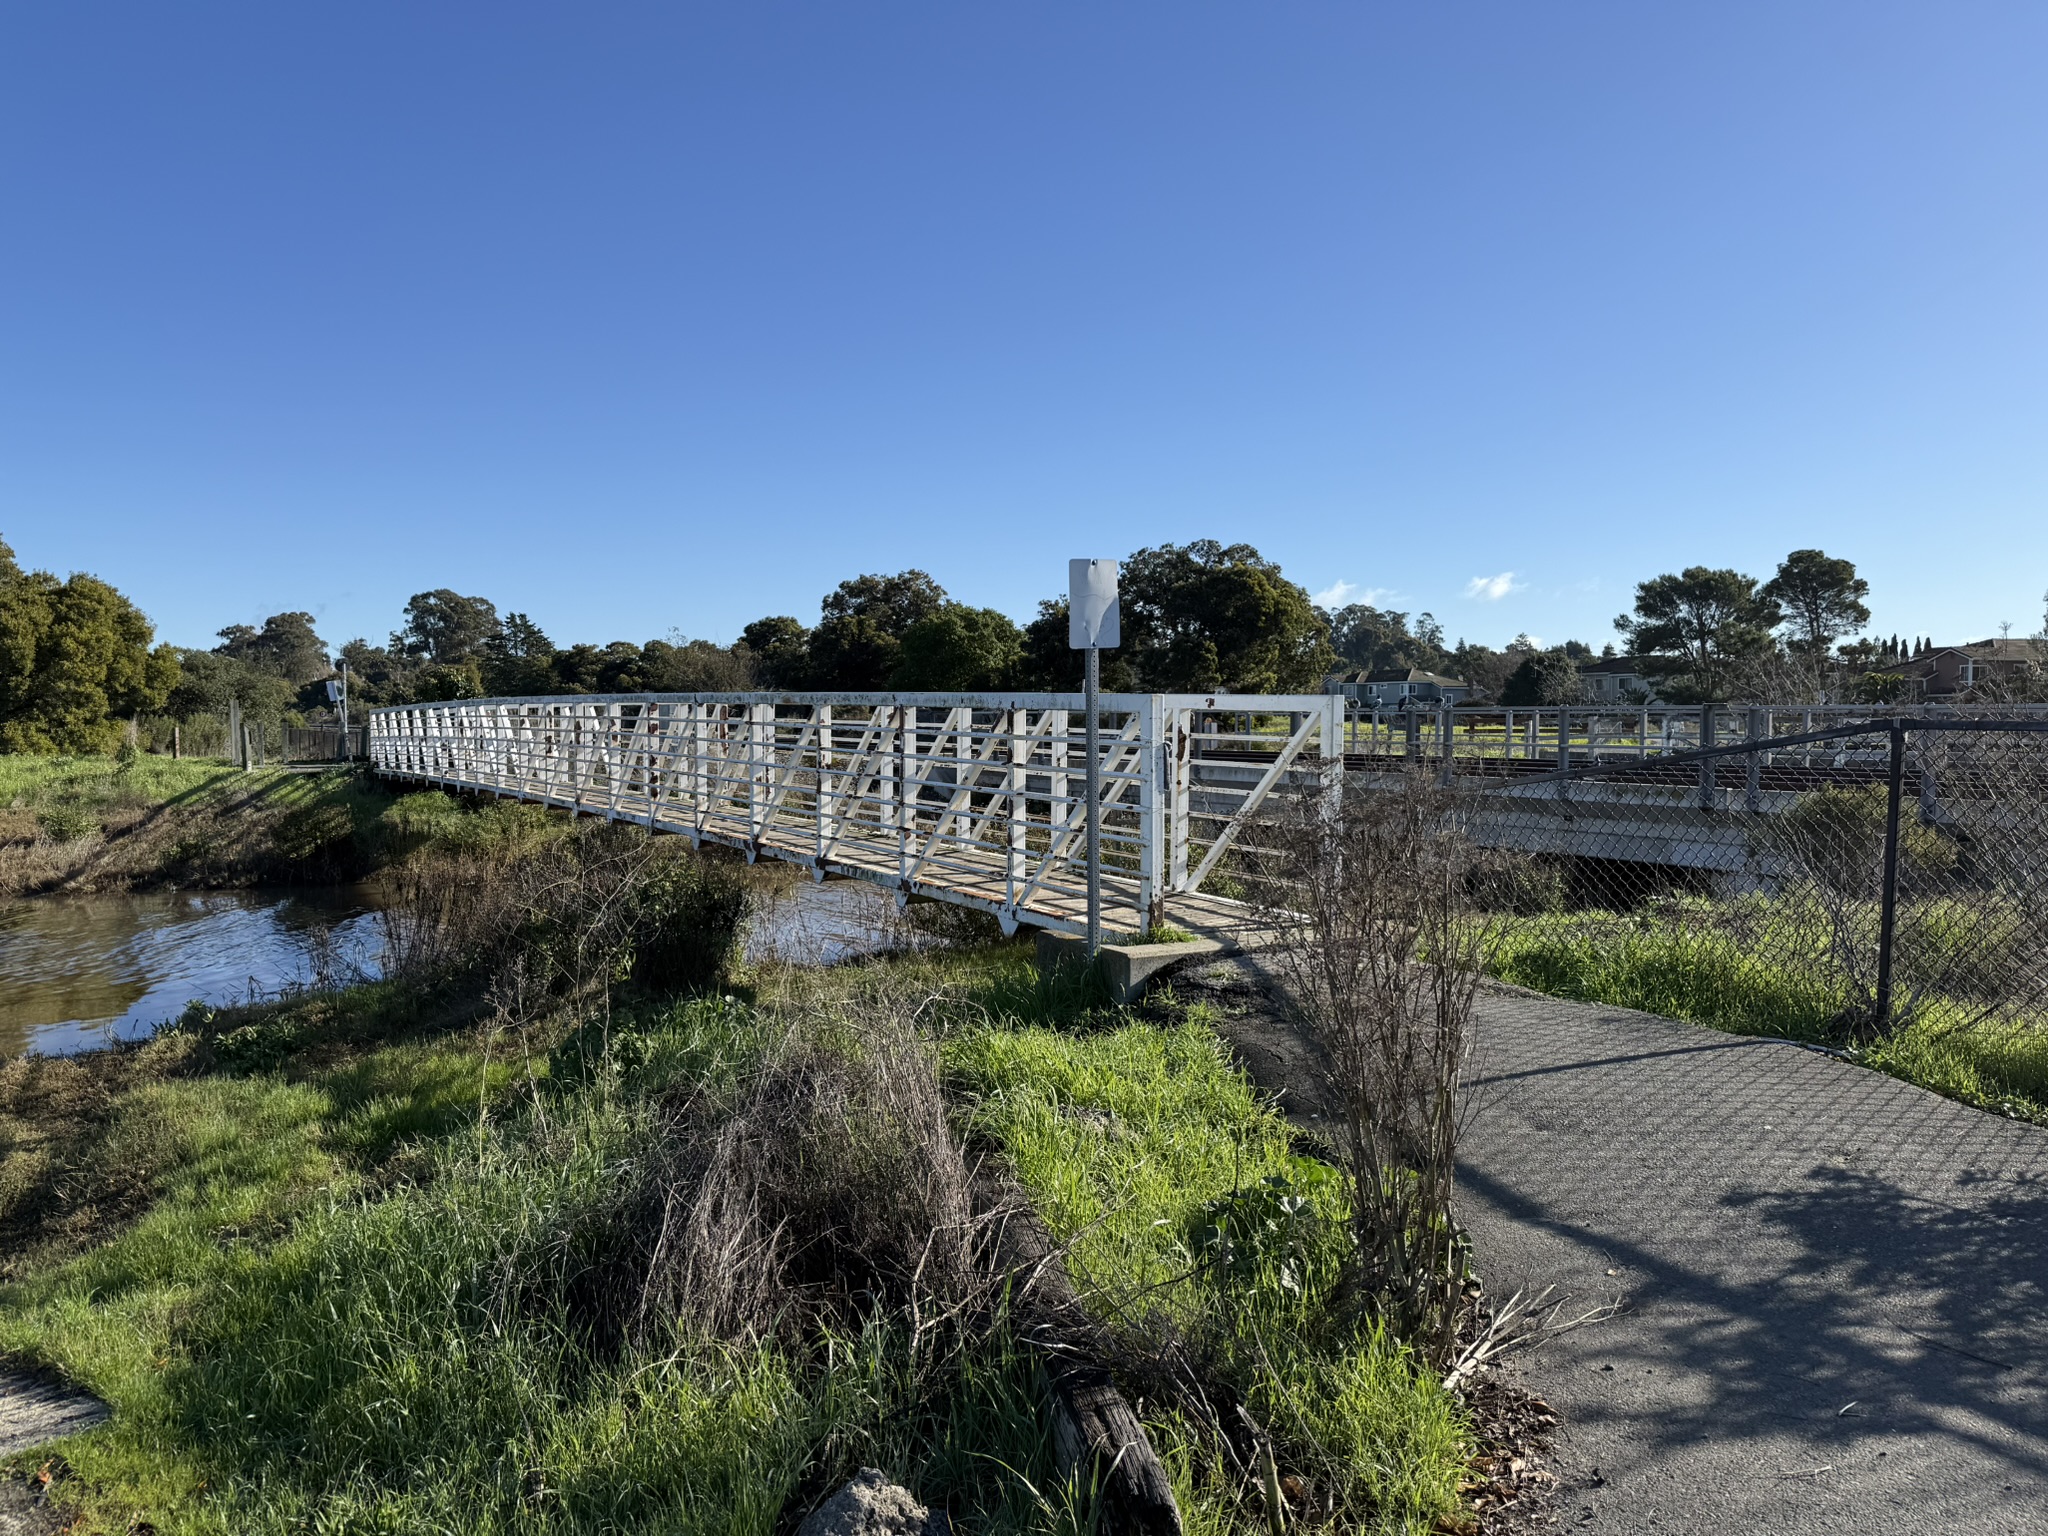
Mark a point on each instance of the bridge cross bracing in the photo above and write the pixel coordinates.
(975, 799)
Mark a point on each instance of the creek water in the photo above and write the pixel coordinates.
(81, 972)
(78, 973)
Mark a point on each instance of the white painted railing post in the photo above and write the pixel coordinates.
(1152, 747)
(899, 804)
(1179, 752)
(1332, 746)
(826, 798)
(1019, 755)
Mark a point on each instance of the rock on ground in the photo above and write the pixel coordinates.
(871, 1505)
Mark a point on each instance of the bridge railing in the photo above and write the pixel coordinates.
(1559, 736)
(975, 798)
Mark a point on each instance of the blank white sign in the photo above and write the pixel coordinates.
(1093, 617)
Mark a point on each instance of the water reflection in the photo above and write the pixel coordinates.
(807, 924)
(79, 972)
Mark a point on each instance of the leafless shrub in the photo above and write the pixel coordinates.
(832, 1185)
(570, 915)
(1365, 895)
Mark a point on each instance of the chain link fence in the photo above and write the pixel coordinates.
(1844, 883)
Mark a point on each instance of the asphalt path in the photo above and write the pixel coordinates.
(1833, 1285)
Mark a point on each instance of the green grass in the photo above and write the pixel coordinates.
(363, 1288)
(350, 1303)
(101, 783)
(1680, 965)
(202, 822)
(1148, 1153)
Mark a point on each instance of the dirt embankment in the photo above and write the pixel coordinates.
(207, 827)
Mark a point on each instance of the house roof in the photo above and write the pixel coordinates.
(1626, 666)
(1409, 675)
(2007, 652)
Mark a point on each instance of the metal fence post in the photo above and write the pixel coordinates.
(1888, 908)
(1564, 756)
(1706, 763)
(1753, 778)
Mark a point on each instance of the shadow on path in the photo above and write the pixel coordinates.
(1836, 1285)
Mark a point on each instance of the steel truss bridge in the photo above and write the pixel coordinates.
(976, 799)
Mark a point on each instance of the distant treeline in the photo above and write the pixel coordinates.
(1198, 616)
(79, 672)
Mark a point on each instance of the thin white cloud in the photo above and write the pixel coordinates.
(1338, 593)
(1491, 589)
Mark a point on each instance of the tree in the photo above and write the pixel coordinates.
(1693, 626)
(1483, 669)
(518, 659)
(780, 647)
(24, 620)
(445, 626)
(1544, 677)
(859, 638)
(75, 657)
(376, 674)
(1378, 639)
(699, 666)
(1821, 598)
(960, 650)
(285, 647)
(209, 680)
(1048, 664)
(1211, 616)
(614, 668)
(445, 680)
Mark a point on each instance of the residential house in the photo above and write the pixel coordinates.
(1616, 680)
(1393, 688)
(1951, 672)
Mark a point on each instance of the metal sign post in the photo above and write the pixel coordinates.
(1094, 620)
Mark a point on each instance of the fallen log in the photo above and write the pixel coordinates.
(1098, 1438)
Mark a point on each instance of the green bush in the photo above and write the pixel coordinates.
(67, 823)
(688, 919)
(1836, 837)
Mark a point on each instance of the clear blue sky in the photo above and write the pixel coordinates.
(665, 316)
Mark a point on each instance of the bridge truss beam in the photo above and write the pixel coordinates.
(975, 799)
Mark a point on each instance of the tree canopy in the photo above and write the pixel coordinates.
(284, 647)
(1695, 627)
(75, 660)
(445, 626)
(1543, 677)
(1379, 639)
(960, 650)
(1820, 599)
(859, 638)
